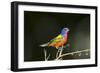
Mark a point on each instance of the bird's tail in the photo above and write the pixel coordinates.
(44, 45)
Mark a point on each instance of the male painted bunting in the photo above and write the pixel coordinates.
(58, 41)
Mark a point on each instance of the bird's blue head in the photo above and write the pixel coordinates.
(64, 31)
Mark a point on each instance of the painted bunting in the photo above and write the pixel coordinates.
(58, 41)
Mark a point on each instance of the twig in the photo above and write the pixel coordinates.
(86, 50)
(48, 57)
(61, 49)
(45, 55)
(57, 53)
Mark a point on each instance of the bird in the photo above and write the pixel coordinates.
(58, 41)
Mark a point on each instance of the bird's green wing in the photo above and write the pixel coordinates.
(57, 39)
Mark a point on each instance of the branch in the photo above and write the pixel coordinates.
(61, 49)
(86, 50)
(57, 53)
(48, 57)
(45, 55)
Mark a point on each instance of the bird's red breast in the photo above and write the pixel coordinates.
(60, 43)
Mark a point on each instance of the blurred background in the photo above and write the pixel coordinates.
(41, 27)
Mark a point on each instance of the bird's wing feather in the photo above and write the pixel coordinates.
(57, 39)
